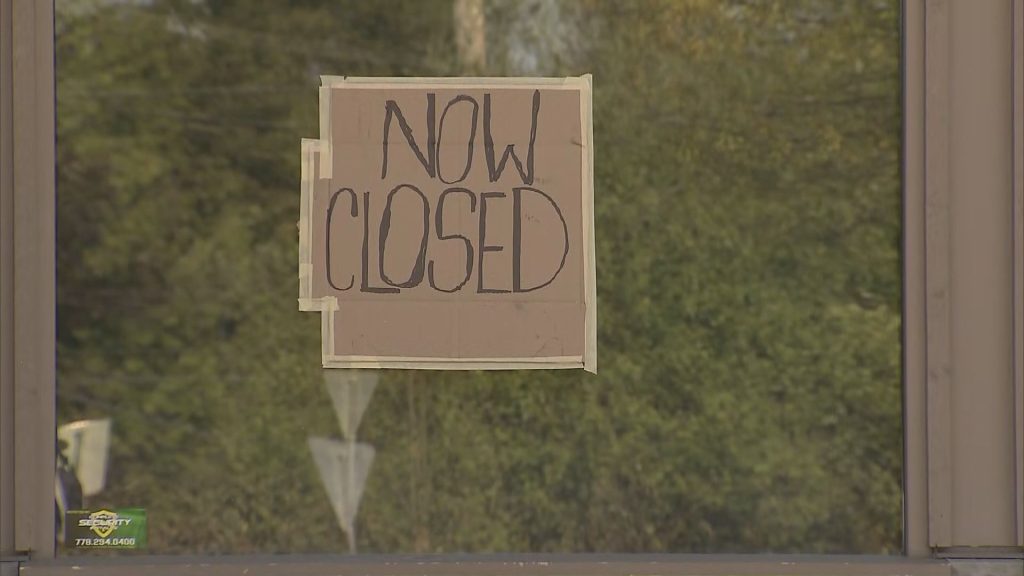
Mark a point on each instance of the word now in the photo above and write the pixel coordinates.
(475, 251)
(435, 134)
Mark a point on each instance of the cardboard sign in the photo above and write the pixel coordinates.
(448, 223)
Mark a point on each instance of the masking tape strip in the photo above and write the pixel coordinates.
(327, 161)
(529, 360)
(314, 304)
(447, 364)
(568, 83)
(307, 184)
(327, 319)
(590, 259)
(316, 165)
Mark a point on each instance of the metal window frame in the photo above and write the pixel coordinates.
(965, 182)
(27, 289)
(937, 175)
(1017, 152)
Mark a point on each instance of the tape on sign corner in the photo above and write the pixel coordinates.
(325, 131)
(314, 305)
(412, 363)
(453, 82)
(328, 80)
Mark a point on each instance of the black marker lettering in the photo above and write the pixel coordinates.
(441, 236)
(365, 287)
(517, 239)
(429, 161)
(469, 145)
(385, 227)
(330, 217)
(483, 247)
(495, 171)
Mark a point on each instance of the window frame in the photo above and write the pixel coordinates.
(932, 531)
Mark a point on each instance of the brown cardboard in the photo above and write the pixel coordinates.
(527, 219)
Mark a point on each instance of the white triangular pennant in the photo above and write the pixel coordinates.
(350, 392)
(343, 468)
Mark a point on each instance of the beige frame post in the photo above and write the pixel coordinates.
(1018, 252)
(6, 290)
(963, 278)
(915, 461)
(963, 319)
(27, 292)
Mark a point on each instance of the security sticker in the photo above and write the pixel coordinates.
(122, 528)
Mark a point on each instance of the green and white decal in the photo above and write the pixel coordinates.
(123, 528)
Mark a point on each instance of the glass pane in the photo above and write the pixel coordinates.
(748, 232)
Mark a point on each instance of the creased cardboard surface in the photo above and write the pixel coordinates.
(441, 248)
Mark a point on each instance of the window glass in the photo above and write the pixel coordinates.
(747, 200)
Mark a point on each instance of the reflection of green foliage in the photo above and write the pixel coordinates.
(748, 267)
